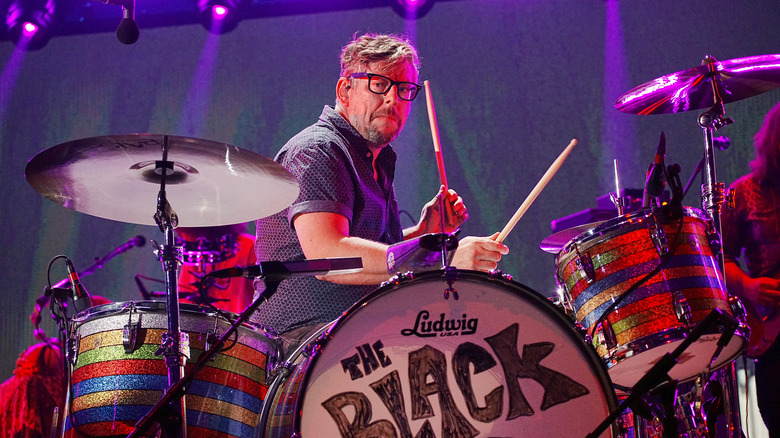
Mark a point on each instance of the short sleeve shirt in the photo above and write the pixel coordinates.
(333, 166)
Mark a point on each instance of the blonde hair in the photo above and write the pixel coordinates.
(384, 49)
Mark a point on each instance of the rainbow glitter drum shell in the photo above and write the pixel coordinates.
(115, 383)
(638, 325)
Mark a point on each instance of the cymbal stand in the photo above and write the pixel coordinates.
(712, 194)
(712, 191)
(175, 345)
(179, 388)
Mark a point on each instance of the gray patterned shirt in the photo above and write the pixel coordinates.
(332, 164)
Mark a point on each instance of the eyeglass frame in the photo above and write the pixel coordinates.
(361, 75)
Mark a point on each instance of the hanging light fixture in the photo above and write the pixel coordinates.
(31, 23)
(413, 9)
(221, 16)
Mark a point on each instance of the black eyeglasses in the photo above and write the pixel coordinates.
(379, 84)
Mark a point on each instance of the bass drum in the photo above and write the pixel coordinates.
(455, 354)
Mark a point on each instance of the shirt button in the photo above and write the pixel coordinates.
(368, 154)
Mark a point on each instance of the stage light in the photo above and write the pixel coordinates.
(219, 12)
(29, 29)
(221, 16)
(413, 9)
(30, 23)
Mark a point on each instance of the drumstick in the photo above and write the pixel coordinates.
(435, 135)
(535, 192)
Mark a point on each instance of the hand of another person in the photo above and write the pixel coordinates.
(479, 253)
(764, 291)
(455, 213)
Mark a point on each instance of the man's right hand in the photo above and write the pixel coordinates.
(479, 253)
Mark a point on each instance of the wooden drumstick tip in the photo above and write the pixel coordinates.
(535, 192)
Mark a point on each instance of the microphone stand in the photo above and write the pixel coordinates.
(659, 373)
(161, 412)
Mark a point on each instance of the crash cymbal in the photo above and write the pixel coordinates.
(556, 241)
(116, 177)
(693, 89)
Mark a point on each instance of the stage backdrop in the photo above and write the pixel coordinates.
(513, 80)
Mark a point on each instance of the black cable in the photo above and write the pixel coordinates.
(220, 313)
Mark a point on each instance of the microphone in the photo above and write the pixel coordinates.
(654, 185)
(138, 241)
(127, 32)
(81, 298)
(275, 270)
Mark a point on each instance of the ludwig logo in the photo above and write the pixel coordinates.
(424, 327)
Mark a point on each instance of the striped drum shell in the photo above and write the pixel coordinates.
(600, 266)
(112, 389)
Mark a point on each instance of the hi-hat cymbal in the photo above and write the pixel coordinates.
(702, 86)
(117, 177)
(556, 241)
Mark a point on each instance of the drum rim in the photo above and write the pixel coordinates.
(608, 225)
(150, 306)
(596, 365)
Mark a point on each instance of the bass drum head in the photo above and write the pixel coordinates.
(495, 359)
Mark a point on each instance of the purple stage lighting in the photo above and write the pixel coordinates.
(413, 9)
(29, 29)
(32, 21)
(221, 16)
(219, 12)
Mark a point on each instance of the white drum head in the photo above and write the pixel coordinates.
(500, 361)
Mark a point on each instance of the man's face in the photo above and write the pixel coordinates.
(379, 118)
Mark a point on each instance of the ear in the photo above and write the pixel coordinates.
(342, 91)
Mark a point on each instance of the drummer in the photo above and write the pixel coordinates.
(345, 166)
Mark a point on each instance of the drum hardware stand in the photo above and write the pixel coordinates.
(711, 190)
(450, 274)
(178, 389)
(658, 374)
(175, 344)
(712, 193)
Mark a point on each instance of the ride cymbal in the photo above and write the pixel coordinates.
(117, 177)
(703, 86)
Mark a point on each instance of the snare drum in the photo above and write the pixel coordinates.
(600, 265)
(493, 359)
(118, 376)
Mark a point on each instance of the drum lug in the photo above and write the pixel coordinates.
(585, 263)
(72, 349)
(130, 337)
(681, 308)
(451, 275)
(212, 337)
(606, 335)
(658, 236)
(738, 308)
(398, 278)
(714, 239)
(130, 331)
(499, 275)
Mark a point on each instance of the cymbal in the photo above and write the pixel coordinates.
(115, 177)
(556, 241)
(692, 89)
